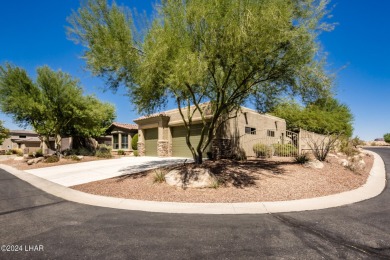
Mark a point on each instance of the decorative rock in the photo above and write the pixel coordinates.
(30, 162)
(197, 178)
(344, 162)
(333, 155)
(37, 160)
(80, 157)
(19, 158)
(316, 164)
(360, 165)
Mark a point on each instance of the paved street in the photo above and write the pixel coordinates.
(67, 230)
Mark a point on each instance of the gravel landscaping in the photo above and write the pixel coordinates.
(20, 163)
(275, 179)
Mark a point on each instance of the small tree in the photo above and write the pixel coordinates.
(53, 105)
(324, 116)
(134, 142)
(387, 138)
(4, 133)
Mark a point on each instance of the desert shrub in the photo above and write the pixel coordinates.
(347, 147)
(302, 159)
(9, 152)
(121, 152)
(38, 153)
(18, 152)
(79, 151)
(134, 142)
(103, 151)
(135, 152)
(31, 155)
(239, 155)
(386, 137)
(72, 157)
(321, 147)
(85, 151)
(159, 176)
(373, 144)
(356, 141)
(285, 150)
(52, 159)
(216, 184)
(262, 150)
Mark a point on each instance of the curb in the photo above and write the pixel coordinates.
(374, 186)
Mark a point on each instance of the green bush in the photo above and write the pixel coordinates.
(79, 151)
(387, 137)
(302, 159)
(103, 151)
(72, 157)
(121, 152)
(52, 159)
(9, 152)
(134, 142)
(285, 150)
(347, 147)
(38, 153)
(356, 141)
(262, 150)
(18, 152)
(135, 152)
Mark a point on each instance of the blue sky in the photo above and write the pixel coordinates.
(32, 34)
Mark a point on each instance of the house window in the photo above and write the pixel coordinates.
(250, 130)
(125, 141)
(22, 136)
(115, 141)
(271, 133)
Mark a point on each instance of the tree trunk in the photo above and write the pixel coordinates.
(58, 144)
(199, 158)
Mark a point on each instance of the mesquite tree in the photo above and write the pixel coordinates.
(221, 51)
(53, 105)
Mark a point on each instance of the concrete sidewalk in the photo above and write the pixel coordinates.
(79, 173)
(375, 184)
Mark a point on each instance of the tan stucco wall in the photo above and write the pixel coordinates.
(233, 129)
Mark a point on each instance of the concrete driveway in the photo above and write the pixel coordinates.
(80, 173)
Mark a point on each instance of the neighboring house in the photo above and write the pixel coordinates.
(164, 134)
(121, 135)
(26, 140)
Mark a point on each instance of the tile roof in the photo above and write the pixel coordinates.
(24, 140)
(151, 116)
(22, 132)
(125, 126)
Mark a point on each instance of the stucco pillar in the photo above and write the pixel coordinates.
(141, 142)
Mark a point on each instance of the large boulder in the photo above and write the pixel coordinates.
(315, 164)
(39, 159)
(194, 178)
(30, 162)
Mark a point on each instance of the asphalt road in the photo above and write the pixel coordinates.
(33, 220)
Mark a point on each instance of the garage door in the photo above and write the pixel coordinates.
(151, 136)
(179, 145)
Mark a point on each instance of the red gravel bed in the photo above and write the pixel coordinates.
(274, 179)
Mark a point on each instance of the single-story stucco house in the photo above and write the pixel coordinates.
(121, 135)
(25, 140)
(164, 134)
